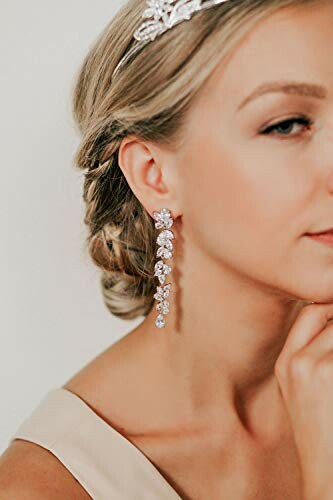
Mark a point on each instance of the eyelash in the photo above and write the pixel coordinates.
(301, 119)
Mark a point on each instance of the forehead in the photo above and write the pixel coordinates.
(293, 43)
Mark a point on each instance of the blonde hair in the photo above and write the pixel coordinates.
(149, 98)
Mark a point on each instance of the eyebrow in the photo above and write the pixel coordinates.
(287, 87)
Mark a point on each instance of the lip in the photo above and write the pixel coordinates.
(326, 237)
(325, 231)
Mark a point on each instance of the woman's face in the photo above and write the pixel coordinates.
(257, 165)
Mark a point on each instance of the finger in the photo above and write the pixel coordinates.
(326, 364)
(321, 345)
(312, 319)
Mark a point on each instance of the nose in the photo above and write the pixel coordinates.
(323, 135)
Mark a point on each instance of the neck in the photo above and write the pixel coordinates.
(222, 338)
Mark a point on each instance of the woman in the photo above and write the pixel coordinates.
(225, 120)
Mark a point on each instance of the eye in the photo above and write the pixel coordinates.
(284, 127)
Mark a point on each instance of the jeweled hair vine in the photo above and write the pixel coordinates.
(161, 16)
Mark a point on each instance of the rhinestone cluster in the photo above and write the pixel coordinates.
(164, 221)
(164, 14)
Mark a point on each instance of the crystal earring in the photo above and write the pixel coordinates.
(164, 221)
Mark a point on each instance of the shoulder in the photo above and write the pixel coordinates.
(29, 471)
(115, 383)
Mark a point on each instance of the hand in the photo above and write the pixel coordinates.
(304, 370)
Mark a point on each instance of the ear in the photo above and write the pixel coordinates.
(149, 171)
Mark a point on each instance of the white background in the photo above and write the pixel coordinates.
(53, 319)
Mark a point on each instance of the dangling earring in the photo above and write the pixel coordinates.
(164, 221)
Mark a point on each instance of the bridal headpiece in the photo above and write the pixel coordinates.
(163, 15)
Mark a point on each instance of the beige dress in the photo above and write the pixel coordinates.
(105, 463)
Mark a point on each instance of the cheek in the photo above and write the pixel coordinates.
(243, 209)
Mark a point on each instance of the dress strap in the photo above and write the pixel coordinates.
(104, 462)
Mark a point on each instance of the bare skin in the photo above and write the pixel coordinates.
(200, 397)
(225, 460)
